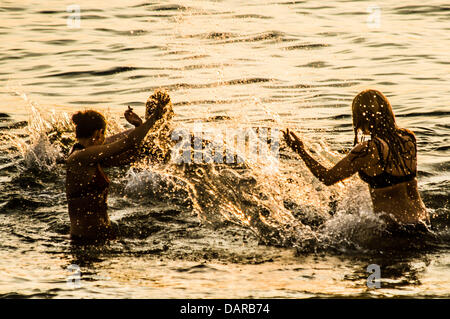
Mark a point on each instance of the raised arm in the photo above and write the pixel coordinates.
(125, 158)
(118, 136)
(104, 152)
(132, 118)
(362, 156)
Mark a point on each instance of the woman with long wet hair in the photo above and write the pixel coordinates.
(387, 162)
(86, 183)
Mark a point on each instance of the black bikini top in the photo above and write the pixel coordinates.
(98, 185)
(384, 179)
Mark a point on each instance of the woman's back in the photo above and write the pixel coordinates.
(87, 199)
(393, 184)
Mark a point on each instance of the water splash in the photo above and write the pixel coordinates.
(283, 204)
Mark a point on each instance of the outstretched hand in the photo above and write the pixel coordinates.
(293, 141)
(132, 117)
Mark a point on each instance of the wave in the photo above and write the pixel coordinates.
(216, 84)
(263, 36)
(167, 7)
(74, 74)
(305, 46)
(135, 32)
(415, 9)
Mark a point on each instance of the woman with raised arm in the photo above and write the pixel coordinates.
(387, 162)
(86, 183)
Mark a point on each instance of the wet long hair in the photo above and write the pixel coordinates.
(87, 122)
(372, 110)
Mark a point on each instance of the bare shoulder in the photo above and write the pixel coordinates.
(72, 159)
(364, 155)
(408, 134)
(363, 149)
(77, 158)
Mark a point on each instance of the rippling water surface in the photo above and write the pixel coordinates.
(218, 231)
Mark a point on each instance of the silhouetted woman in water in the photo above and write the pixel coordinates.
(387, 162)
(86, 183)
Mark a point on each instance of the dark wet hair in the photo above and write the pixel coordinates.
(372, 110)
(87, 122)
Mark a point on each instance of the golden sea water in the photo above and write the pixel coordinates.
(227, 64)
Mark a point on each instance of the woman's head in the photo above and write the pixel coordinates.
(372, 114)
(90, 124)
